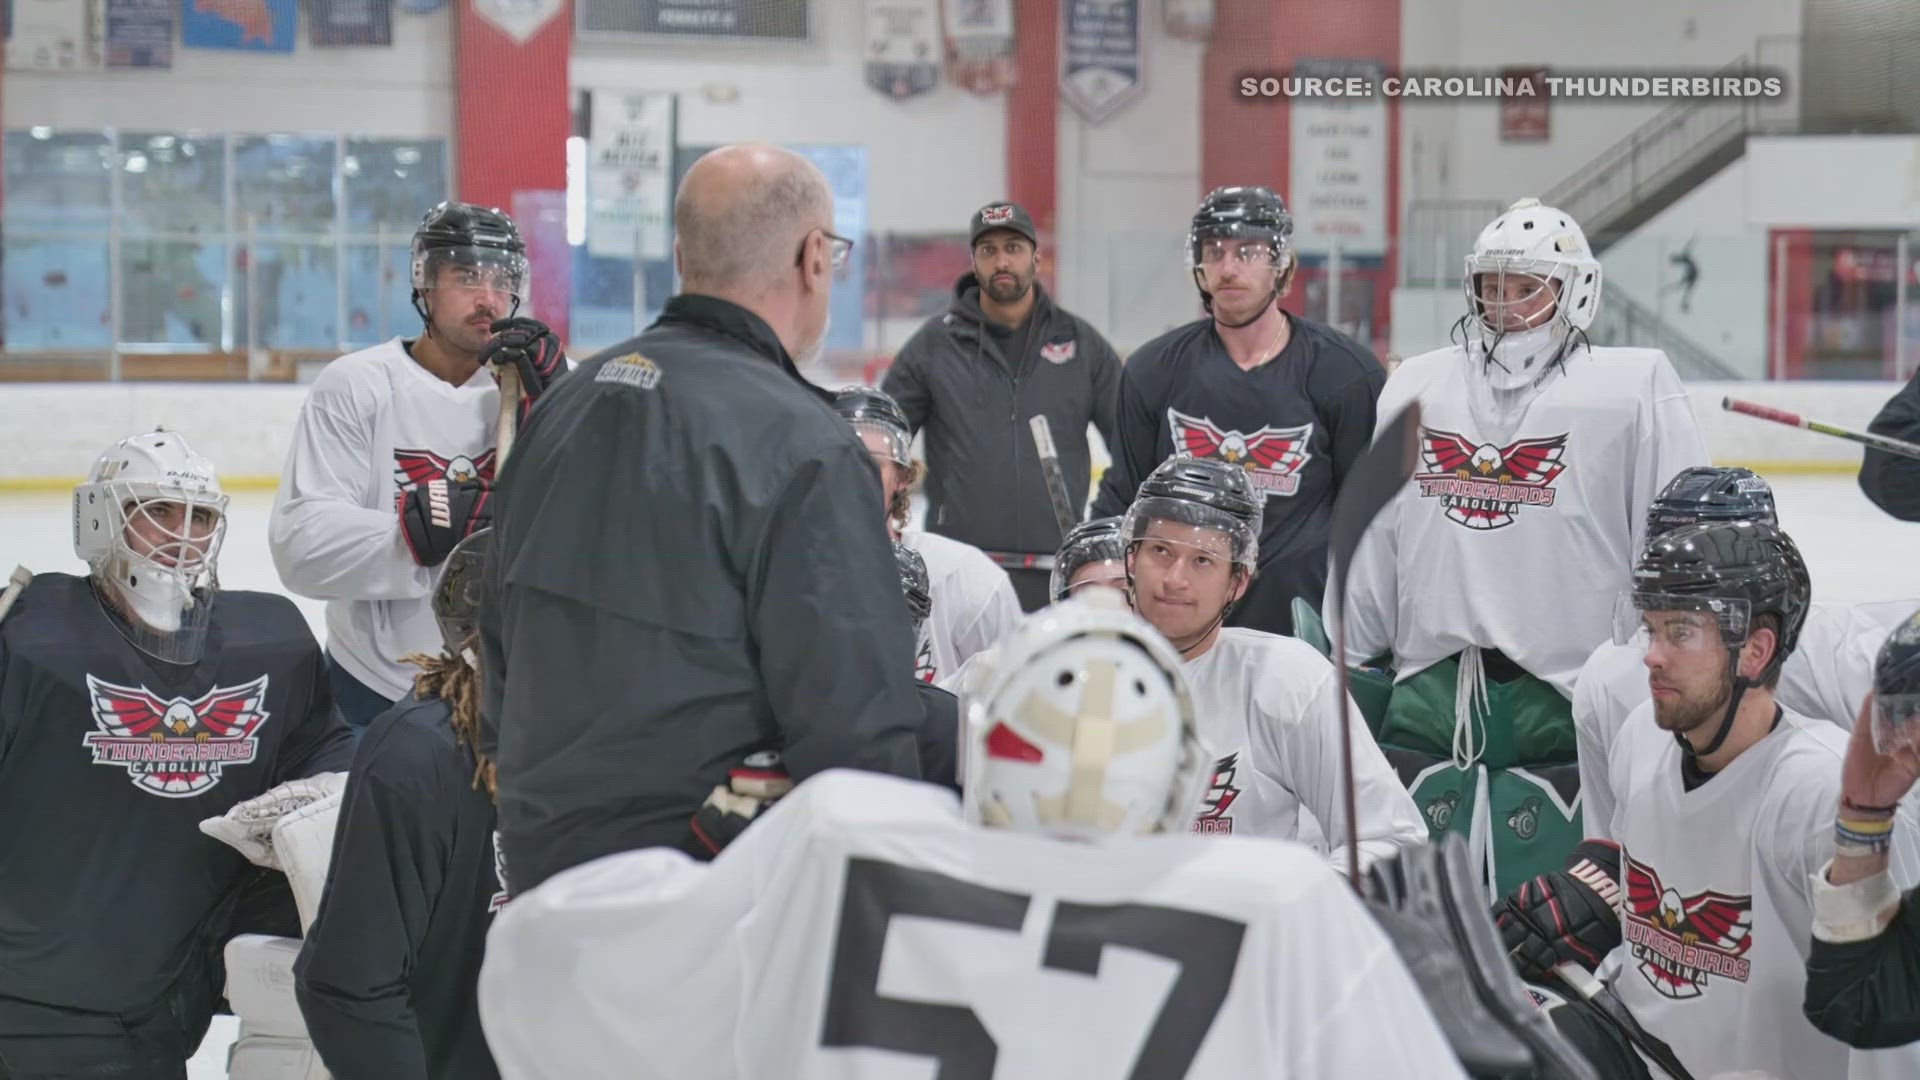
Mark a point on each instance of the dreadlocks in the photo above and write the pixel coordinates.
(454, 681)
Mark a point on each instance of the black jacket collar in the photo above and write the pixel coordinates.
(729, 318)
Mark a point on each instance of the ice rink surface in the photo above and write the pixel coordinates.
(1856, 553)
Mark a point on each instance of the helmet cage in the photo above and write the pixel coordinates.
(160, 597)
(1531, 276)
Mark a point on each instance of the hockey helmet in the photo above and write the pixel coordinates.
(914, 583)
(1230, 214)
(458, 597)
(149, 520)
(479, 238)
(1531, 280)
(1896, 691)
(1089, 542)
(1206, 493)
(1085, 728)
(1710, 493)
(1730, 573)
(868, 409)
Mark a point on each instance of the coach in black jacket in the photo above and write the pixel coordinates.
(1892, 481)
(686, 540)
(975, 377)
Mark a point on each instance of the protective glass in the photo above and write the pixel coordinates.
(1680, 622)
(472, 269)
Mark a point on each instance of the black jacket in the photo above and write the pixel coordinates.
(692, 564)
(388, 975)
(1867, 993)
(109, 761)
(1297, 422)
(954, 380)
(1892, 481)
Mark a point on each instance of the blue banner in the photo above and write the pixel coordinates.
(1101, 55)
(421, 7)
(139, 33)
(350, 22)
(252, 25)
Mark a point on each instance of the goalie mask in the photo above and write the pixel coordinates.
(1896, 693)
(149, 520)
(1531, 281)
(1085, 729)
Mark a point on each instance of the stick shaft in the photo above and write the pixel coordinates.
(1050, 472)
(1793, 419)
(509, 415)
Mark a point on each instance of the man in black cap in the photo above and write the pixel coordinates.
(975, 377)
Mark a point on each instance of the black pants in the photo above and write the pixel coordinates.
(47, 1042)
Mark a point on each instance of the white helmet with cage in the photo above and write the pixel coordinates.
(1531, 281)
(149, 520)
(1085, 728)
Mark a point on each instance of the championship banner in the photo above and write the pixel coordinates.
(767, 20)
(333, 23)
(250, 25)
(979, 38)
(1526, 117)
(630, 139)
(903, 46)
(1338, 163)
(1188, 20)
(55, 35)
(1100, 56)
(140, 33)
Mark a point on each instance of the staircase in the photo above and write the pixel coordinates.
(1624, 322)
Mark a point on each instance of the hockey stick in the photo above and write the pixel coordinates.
(1792, 419)
(1369, 486)
(503, 429)
(16, 584)
(1050, 468)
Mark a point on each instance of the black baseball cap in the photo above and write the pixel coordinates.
(1002, 215)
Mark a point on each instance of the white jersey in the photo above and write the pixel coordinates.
(973, 604)
(1826, 678)
(1269, 709)
(862, 929)
(374, 424)
(1716, 909)
(1477, 547)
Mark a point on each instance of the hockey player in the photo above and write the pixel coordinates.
(1539, 458)
(1289, 400)
(973, 599)
(879, 925)
(392, 458)
(385, 979)
(1724, 804)
(136, 703)
(940, 731)
(1092, 555)
(1268, 705)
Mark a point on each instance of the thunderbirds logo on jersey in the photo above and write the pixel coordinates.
(1484, 486)
(924, 668)
(414, 467)
(175, 748)
(500, 898)
(1682, 941)
(1273, 457)
(1220, 797)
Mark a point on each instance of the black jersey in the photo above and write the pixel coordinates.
(109, 761)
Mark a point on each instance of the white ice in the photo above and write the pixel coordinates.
(1856, 553)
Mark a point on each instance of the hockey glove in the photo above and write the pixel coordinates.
(1572, 914)
(247, 827)
(756, 784)
(534, 349)
(438, 514)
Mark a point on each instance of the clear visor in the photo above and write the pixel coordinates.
(1896, 725)
(1509, 295)
(1107, 573)
(1679, 622)
(1194, 526)
(884, 441)
(1246, 245)
(472, 269)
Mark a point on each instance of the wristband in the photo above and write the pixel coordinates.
(1854, 811)
(1856, 839)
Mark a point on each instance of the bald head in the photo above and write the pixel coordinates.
(741, 215)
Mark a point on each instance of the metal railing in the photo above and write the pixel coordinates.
(1624, 322)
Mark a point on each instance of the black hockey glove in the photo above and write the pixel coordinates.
(438, 514)
(530, 346)
(1572, 914)
(756, 784)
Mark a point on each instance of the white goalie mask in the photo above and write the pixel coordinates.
(1531, 281)
(149, 520)
(1084, 729)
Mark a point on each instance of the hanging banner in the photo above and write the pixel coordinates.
(55, 35)
(769, 20)
(979, 42)
(629, 174)
(332, 23)
(1099, 56)
(251, 25)
(1526, 117)
(421, 7)
(1338, 165)
(903, 46)
(1188, 20)
(140, 33)
(518, 19)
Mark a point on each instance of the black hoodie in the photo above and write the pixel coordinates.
(955, 381)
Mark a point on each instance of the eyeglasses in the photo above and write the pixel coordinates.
(839, 250)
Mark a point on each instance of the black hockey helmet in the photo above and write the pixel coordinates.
(1204, 492)
(1710, 493)
(1098, 540)
(462, 234)
(914, 583)
(1251, 213)
(458, 596)
(1896, 690)
(865, 407)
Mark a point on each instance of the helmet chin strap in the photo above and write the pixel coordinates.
(1740, 686)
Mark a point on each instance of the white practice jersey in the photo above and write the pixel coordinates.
(861, 930)
(1269, 709)
(1480, 547)
(1826, 678)
(1716, 911)
(973, 604)
(374, 424)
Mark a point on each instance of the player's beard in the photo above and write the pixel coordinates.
(1694, 709)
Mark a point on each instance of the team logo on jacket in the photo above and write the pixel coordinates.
(500, 898)
(413, 467)
(1439, 813)
(1273, 457)
(1221, 794)
(1484, 486)
(173, 747)
(1683, 941)
(1058, 352)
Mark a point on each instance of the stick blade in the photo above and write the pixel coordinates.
(1370, 485)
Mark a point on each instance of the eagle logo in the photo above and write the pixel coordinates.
(1220, 797)
(175, 748)
(1482, 486)
(924, 668)
(1681, 941)
(414, 467)
(1273, 457)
